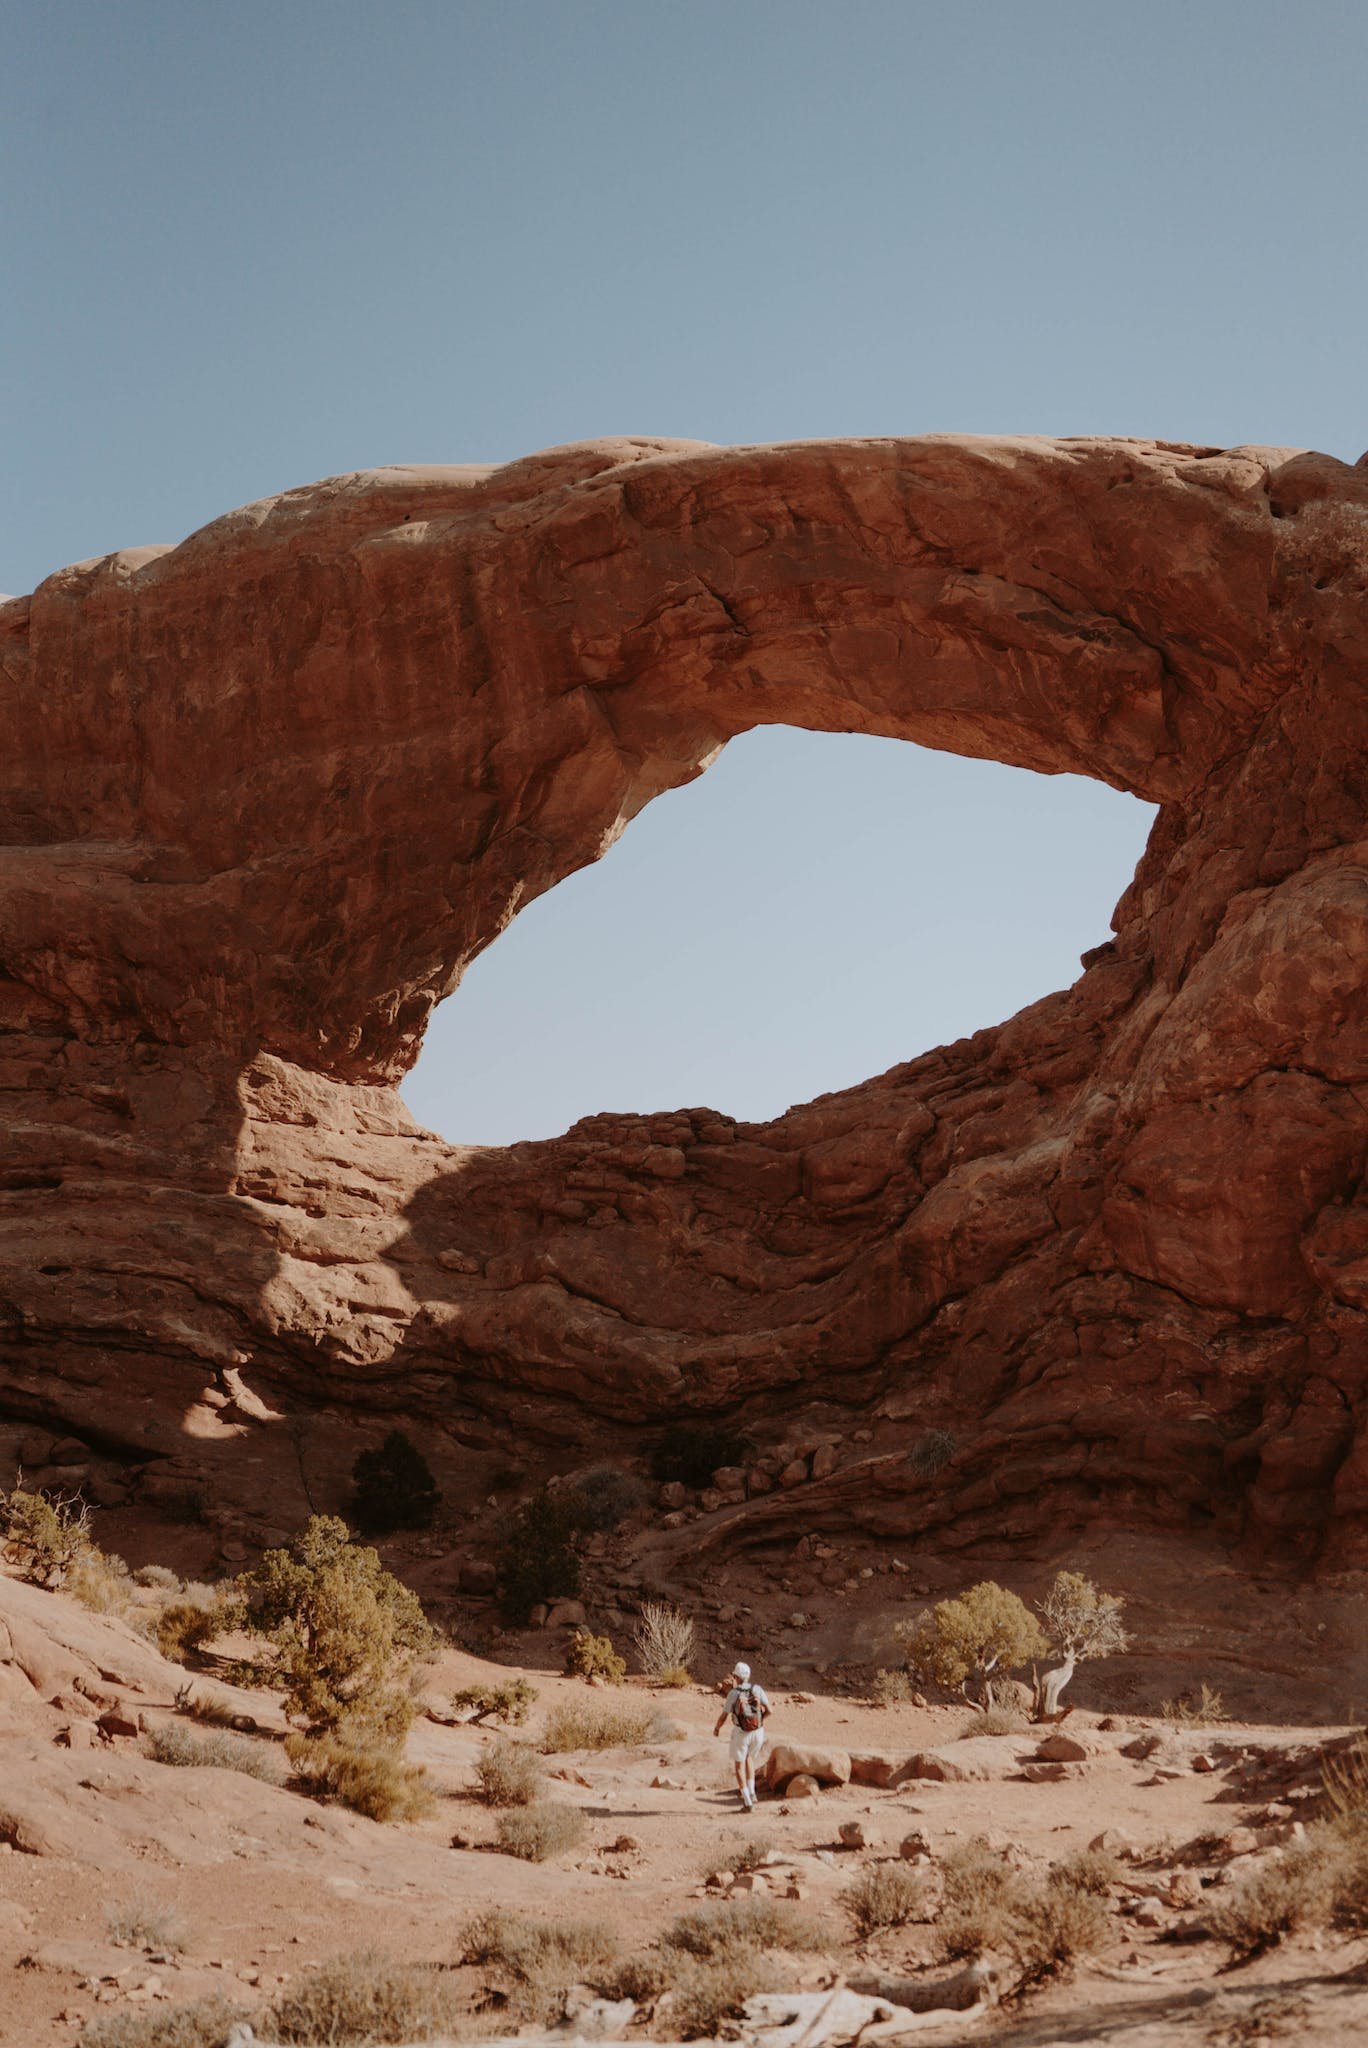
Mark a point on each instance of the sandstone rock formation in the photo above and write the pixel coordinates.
(265, 794)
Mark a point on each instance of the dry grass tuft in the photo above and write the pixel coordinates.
(1051, 1928)
(745, 1925)
(142, 1922)
(537, 1959)
(994, 1721)
(591, 1726)
(744, 1852)
(1295, 1891)
(705, 1994)
(1202, 1709)
(1087, 1870)
(979, 1892)
(510, 1774)
(665, 1642)
(356, 2001)
(887, 1895)
(375, 1781)
(171, 1744)
(536, 1833)
(205, 2024)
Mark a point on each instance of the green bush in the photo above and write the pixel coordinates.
(591, 1656)
(345, 1632)
(184, 1627)
(538, 1558)
(974, 1639)
(46, 1535)
(393, 1488)
(602, 1498)
(508, 1703)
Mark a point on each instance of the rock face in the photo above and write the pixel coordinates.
(265, 794)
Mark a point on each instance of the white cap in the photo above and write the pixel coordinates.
(740, 1670)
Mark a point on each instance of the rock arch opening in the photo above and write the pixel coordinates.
(813, 910)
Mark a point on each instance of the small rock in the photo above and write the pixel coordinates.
(914, 1845)
(566, 1614)
(117, 1722)
(663, 1784)
(719, 1880)
(794, 1474)
(1184, 1889)
(852, 1835)
(824, 1461)
(1044, 1774)
(751, 1881)
(674, 1494)
(801, 1787)
(1149, 1913)
(1202, 1762)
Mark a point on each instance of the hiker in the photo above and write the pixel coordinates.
(747, 1705)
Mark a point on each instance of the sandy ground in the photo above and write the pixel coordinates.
(264, 1882)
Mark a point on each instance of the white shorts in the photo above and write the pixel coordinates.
(746, 1744)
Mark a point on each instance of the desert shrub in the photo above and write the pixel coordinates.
(705, 1994)
(345, 1632)
(978, 1899)
(891, 1689)
(185, 1626)
(206, 2023)
(1051, 1927)
(591, 1656)
(509, 1703)
(886, 1895)
(172, 1744)
(1295, 1890)
(993, 1721)
(675, 1677)
(142, 1923)
(692, 1452)
(206, 1707)
(744, 1852)
(590, 1726)
(159, 1577)
(538, 1959)
(664, 1640)
(1087, 1870)
(982, 1634)
(641, 1977)
(1081, 1623)
(1346, 1849)
(101, 1582)
(536, 1833)
(601, 1498)
(46, 1535)
(1202, 1709)
(931, 1453)
(184, 1505)
(510, 1774)
(393, 1488)
(538, 1559)
(358, 2000)
(743, 1925)
(374, 1781)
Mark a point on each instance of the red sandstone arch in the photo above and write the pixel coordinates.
(266, 793)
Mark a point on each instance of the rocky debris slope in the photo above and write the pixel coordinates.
(265, 794)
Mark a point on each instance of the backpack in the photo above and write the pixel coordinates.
(746, 1713)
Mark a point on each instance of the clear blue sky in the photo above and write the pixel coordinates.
(247, 246)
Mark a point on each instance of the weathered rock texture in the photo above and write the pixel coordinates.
(264, 795)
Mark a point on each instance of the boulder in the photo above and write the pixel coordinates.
(786, 1760)
(1062, 1749)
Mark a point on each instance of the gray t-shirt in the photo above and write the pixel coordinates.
(739, 1692)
